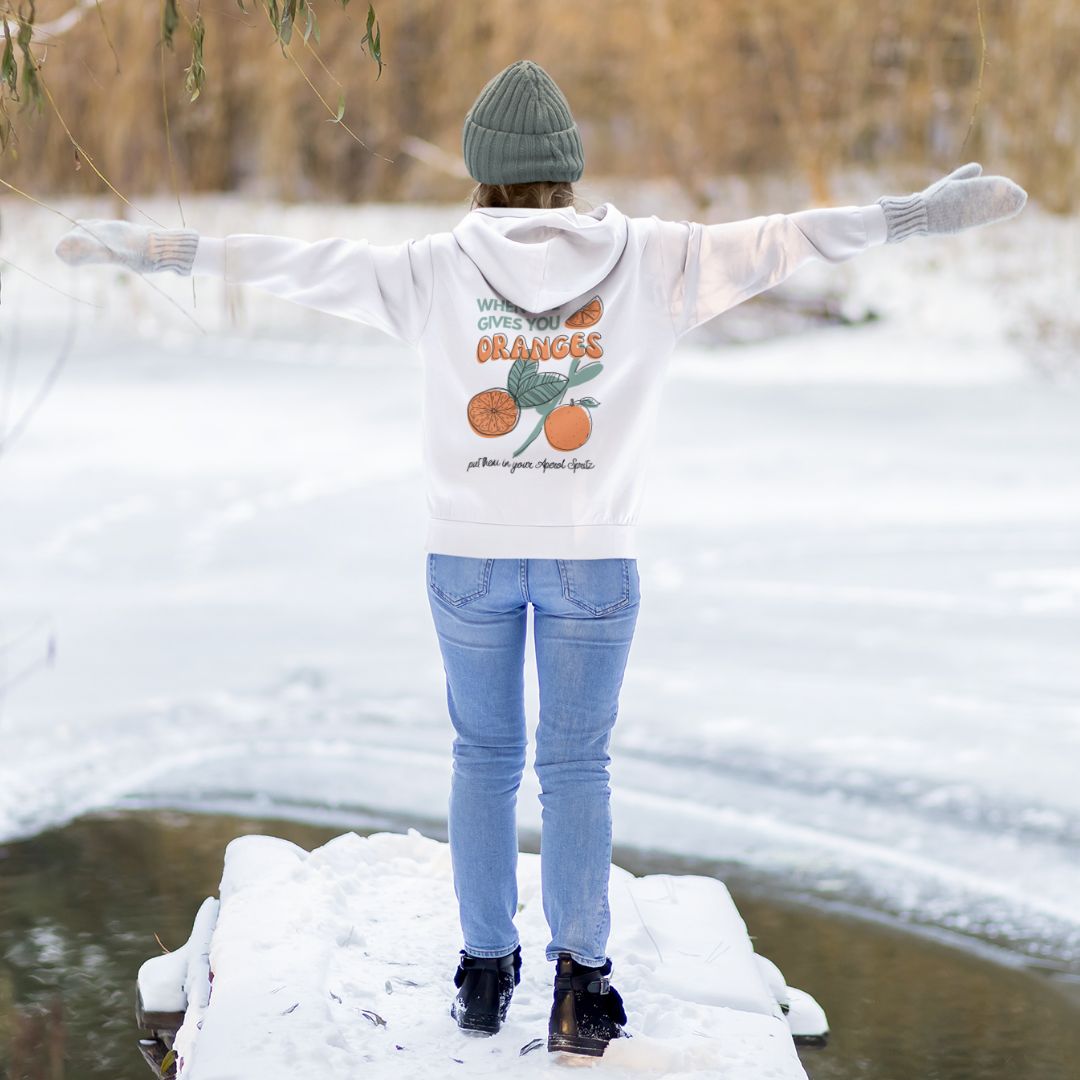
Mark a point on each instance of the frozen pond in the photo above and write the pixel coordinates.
(856, 662)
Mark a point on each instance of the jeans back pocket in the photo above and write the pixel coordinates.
(599, 586)
(458, 579)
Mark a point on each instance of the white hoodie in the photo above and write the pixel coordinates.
(545, 337)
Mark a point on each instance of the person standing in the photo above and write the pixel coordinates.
(546, 333)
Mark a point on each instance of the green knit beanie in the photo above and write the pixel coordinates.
(520, 129)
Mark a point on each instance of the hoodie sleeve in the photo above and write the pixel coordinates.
(388, 286)
(707, 269)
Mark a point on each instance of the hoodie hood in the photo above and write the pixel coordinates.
(539, 259)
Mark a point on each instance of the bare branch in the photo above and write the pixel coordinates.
(60, 25)
(434, 156)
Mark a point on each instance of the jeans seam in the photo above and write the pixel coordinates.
(605, 910)
(489, 953)
(568, 588)
(482, 589)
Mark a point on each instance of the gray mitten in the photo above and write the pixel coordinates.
(139, 248)
(961, 200)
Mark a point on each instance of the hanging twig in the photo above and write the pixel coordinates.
(169, 148)
(104, 244)
(62, 23)
(48, 285)
(335, 114)
(7, 390)
(105, 31)
(75, 143)
(43, 661)
(25, 632)
(318, 58)
(978, 89)
(43, 390)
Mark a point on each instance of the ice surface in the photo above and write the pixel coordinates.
(857, 658)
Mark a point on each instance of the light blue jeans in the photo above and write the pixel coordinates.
(584, 614)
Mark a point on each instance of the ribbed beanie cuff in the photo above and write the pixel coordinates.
(507, 157)
(520, 129)
(904, 216)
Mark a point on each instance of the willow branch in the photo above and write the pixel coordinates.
(60, 25)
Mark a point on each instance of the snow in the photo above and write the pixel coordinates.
(170, 983)
(856, 662)
(343, 957)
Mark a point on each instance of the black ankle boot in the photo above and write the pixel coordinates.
(486, 984)
(587, 1011)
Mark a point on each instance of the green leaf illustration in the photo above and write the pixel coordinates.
(522, 373)
(590, 402)
(542, 390)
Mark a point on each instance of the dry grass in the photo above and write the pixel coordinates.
(685, 88)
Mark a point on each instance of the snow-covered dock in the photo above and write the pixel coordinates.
(338, 963)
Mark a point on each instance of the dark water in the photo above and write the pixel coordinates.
(80, 907)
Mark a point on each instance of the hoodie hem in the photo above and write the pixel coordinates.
(493, 540)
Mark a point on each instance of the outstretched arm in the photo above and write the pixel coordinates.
(388, 286)
(707, 269)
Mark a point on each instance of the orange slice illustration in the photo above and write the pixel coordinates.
(493, 412)
(589, 315)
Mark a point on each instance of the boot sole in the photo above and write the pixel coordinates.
(578, 1044)
(479, 1025)
(479, 1028)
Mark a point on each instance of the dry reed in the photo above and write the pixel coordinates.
(660, 88)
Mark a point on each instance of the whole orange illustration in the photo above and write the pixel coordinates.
(568, 426)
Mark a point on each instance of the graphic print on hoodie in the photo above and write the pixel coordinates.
(545, 337)
(566, 424)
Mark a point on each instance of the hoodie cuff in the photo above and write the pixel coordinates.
(877, 228)
(210, 257)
